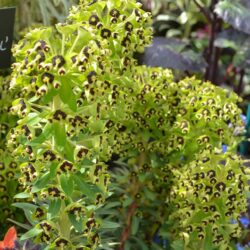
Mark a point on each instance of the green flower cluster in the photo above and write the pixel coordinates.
(8, 167)
(83, 101)
(209, 200)
(68, 80)
(182, 183)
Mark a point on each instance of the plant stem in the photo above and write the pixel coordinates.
(75, 43)
(213, 53)
(216, 55)
(132, 208)
(126, 232)
(63, 45)
(204, 11)
(210, 51)
(215, 65)
(241, 83)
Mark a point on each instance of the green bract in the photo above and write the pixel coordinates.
(83, 102)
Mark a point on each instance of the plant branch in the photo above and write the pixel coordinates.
(210, 51)
(126, 232)
(216, 53)
(216, 57)
(213, 52)
(241, 82)
(132, 208)
(203, 10)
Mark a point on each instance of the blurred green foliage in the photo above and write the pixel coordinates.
(216, 30)
(33, 13)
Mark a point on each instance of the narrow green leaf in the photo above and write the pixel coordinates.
(127, 202)
(109, 225)
(25, 226)
(67, 184)
(135, 225)
(69, 151)
(41, 183)
(110, 212)
(85, 188)
(67, 95)
(149, 195)
(31, 233)
(140, 242)
(45, 135)
(59, 135)
(77, 224)
(127, 246)
(113, 204)
(54, 208)
(49, 96)
(32, 119)
(22, 196)
(25, 206)
(29, 217)
(208, 241)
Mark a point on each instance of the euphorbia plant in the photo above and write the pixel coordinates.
(181, 184)
(68, 97)
(9, 185)
(83, 103)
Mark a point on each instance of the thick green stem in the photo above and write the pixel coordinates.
(63, 45)
(64, 223)
(75, 43)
